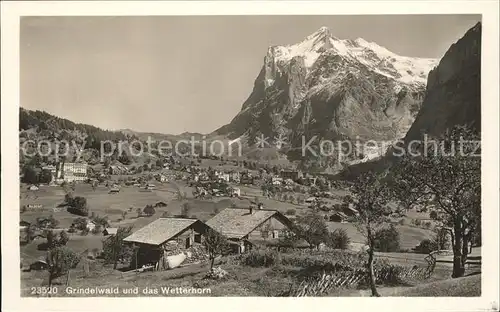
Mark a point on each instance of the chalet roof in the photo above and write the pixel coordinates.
(41, 260)
(340, 214)
(237, 222)
(354, 210)
(160, 230)
(111, 231)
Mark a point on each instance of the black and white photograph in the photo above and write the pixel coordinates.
(252, 155)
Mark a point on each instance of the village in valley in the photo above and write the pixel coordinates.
(162, 217)
(172, 206)
(265, 222)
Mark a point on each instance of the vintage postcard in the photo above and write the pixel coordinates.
(164, 150)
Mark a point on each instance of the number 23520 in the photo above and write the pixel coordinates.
(43, 290)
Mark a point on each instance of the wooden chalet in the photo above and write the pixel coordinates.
(166, 237)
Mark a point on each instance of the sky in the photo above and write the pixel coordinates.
(171, 74)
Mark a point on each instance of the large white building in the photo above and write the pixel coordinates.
(73, 172)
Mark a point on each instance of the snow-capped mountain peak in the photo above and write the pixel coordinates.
(409, 70)
(322, 32)
(332, 88)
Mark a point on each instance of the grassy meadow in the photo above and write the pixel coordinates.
(121, 210)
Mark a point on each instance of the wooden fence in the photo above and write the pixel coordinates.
(327, 282)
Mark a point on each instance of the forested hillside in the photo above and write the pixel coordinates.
(54, 126)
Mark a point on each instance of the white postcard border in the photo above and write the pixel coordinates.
(11, 13)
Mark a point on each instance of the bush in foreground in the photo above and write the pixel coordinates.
(262, 258)
(426, 246)
(387, 239)
(338, 239)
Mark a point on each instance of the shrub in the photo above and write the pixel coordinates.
(29, 175)
(426, 246)
(47, 222)
(80, 223)
(417, 222)
(45, 176)
(85, 232)
(312, 228)
(78, 206)
(262, 258)
(96, 230)
(63, 238)
(339, 239)
(149, 210)
(387, 239)
(290, 212)
(54, 240)
(330, 261)
(102, 221)
(388, 274)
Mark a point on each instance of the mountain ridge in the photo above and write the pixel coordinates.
(334, 89)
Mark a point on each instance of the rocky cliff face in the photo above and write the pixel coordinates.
(453, 95)
(333, 89)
